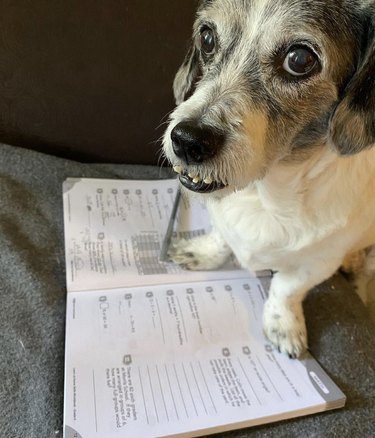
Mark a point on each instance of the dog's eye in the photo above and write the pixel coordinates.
(207, 41)
(300, 61)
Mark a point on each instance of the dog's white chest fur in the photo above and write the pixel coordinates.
(260, 236)
(256, 236)
(274, 223)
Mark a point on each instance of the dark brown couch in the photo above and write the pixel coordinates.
(87, 79)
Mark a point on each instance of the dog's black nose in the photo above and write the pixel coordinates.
(195, 144)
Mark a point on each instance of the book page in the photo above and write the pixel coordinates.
(180, 360)
(114, 231)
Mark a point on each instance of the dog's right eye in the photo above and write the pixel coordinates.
(300, 61)
(207, 41)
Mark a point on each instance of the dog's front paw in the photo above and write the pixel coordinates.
(286, 329)
(182, 254)
(200, 254)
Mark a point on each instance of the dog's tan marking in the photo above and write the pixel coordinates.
(354, 262)
(255, 126)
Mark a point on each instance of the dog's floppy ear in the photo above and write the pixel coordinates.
(187, 75)
(352, 126)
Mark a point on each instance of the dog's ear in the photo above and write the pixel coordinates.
(187, 75)
(352, 127)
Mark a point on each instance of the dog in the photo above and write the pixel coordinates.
(274, 126)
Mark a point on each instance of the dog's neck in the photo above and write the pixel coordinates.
(290, 180)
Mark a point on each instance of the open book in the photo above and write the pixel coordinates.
(155, 351)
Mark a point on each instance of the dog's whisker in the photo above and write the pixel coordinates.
(165, 120)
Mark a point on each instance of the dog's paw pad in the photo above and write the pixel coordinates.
(181, 254)
(286, 331)
(193, 255)
(187, 262)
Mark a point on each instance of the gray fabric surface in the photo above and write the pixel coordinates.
(32, 312)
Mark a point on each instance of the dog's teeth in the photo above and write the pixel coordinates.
(192, 175)
(178, 169)
(196, 180)
(208, 180)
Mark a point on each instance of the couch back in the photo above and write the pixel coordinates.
(89, 79)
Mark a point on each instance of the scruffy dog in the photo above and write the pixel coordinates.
(274, 126)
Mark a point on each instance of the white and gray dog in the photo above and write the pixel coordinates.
(275, 125)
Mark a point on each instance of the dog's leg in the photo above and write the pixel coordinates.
(283, 318)
(201, 253)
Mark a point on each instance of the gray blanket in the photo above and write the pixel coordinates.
(32, 311)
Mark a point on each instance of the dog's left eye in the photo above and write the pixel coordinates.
(300, 61)
(207, 41)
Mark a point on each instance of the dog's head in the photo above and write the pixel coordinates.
(271, 80)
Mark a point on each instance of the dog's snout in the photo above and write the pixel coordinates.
(195, 144)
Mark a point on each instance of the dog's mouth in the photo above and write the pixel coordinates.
(197, 184)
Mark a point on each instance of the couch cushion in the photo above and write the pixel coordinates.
(32, 311)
